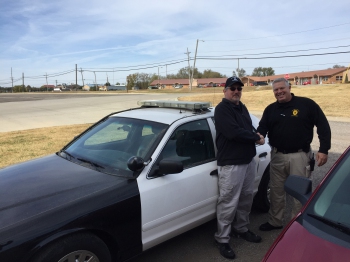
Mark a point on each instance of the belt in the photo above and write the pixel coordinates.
(289, 151)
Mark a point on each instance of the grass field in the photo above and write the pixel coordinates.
(19, 146)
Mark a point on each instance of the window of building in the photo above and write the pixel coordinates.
(339, 78)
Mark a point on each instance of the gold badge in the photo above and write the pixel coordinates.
(295, 112)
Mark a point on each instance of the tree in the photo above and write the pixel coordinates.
(142, 80)
(183, 73)
(117, 84)
(338, 66)
(107, 84)
(240, 72)
(208, 73)
(263, 71)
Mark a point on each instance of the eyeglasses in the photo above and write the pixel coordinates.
(233, 88)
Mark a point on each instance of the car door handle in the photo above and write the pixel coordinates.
(263, 154)
(214, 172)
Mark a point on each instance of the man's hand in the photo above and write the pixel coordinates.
(321, 158)
(261, 141)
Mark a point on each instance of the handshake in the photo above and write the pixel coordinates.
(261, 141)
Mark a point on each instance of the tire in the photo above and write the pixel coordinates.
(262, 197)
(80, 247)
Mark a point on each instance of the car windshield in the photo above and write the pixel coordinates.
(108, 146)
(332, 202)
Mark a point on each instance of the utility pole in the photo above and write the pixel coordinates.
(47, 87)
(194, 62)
(76, 77)
(159, 78)
(189, 69)
(238, 68)
(95, 81)
(12, 79)
(23, 81)
(56, 83)
(82, 77)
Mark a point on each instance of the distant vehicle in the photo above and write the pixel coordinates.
(222, 84)
(178, 86)
(57, 90)
(153, 87)
(307, 83)
(321, 231)
(260, 83)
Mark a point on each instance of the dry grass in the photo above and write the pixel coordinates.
(333, 99)
(19, 146)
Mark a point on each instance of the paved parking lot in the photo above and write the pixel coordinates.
(26, 111)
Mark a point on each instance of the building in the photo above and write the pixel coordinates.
(112, 88)
(326, 76)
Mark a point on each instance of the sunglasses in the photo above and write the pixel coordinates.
(233, 88)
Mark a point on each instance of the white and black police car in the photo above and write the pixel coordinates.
(129, 182)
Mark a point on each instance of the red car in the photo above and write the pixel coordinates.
(307, 83)
(321, 231)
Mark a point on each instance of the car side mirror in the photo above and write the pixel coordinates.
(299, 188)
(135, 163)
(166, 167)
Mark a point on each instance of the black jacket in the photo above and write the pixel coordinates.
(235, 139)
(289, 126)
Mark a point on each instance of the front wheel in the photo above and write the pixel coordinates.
(262, 197)
(80, 247)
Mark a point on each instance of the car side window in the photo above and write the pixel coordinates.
(191, 143)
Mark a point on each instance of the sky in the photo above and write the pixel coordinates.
(45, 41)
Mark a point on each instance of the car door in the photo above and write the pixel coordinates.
(174, 203)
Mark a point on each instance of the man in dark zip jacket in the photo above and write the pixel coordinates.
(235, 141)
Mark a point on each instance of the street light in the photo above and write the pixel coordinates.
(194, 62)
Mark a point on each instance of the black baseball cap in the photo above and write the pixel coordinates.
(233, 80)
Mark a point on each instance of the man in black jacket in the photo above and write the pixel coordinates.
(235, 141)
(289, 124)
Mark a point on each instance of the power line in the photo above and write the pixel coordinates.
(271, 57)
(274, 47)
(291, 51)
(293, 33)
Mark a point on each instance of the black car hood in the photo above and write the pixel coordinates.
(36, 186)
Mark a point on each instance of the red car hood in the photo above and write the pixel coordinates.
(298, 244)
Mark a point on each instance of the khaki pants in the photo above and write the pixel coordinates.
(236, 185)
(281, 166)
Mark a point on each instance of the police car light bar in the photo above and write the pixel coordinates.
(175, 104)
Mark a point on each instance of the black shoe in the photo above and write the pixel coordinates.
(225, 250)
(248, 236)
(268, 227)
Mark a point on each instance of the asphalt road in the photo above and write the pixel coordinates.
(27, 111)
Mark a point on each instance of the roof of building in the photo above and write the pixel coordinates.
(308, 74)
(202, 81)
(170, 82)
